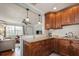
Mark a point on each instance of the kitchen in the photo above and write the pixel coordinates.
(44, 29)
(62, 31)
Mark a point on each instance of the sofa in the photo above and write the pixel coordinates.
(7, 44)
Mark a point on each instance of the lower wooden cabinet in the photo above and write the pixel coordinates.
(45, 47)
(77, 51)
(68, 47)
(56, 45)
(64, 47)
(40, 48)
(75, 48)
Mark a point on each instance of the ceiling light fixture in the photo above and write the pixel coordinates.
(39, 22)
(54, 8)
(27, 19)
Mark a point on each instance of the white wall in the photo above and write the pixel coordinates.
(66, 29)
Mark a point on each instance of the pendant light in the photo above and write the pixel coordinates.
(39, 22)
(27, 19)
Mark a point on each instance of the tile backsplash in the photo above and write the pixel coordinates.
(61, 32)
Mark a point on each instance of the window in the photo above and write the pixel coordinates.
(13, 30)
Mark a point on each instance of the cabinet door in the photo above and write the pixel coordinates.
(58, 20)
(56, 45)
(63, 47)
(77, 52)
(75, 48)
(67, 17)
(70, 16)
(76, 14)
(50, 20)
(52, 45)
(47, 22)
(64, 17)
(53, 21)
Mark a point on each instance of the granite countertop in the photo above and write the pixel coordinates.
(45, 38)
(70, 38)
(35, 39)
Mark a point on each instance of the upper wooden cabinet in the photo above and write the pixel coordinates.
(76, 14)
(71, 17)
(65, 17)
(53, 20)
(58, 20)
(49, 20)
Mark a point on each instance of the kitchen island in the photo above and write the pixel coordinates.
(46, 46)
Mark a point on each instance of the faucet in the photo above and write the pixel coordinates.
(49, 33)
(71, 34)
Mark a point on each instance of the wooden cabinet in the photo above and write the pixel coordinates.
(49, 20)
(58, 20)
(70, 16)
(56, 45)
(46, 47)
(75, 48)
(67, 16)
(64, 47)
(39, 48)
(64, 17)
(52, 44)
(61, 46)
(53, 20)
(76, 14)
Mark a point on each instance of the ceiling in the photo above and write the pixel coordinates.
(46, 7)
(12, 12)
